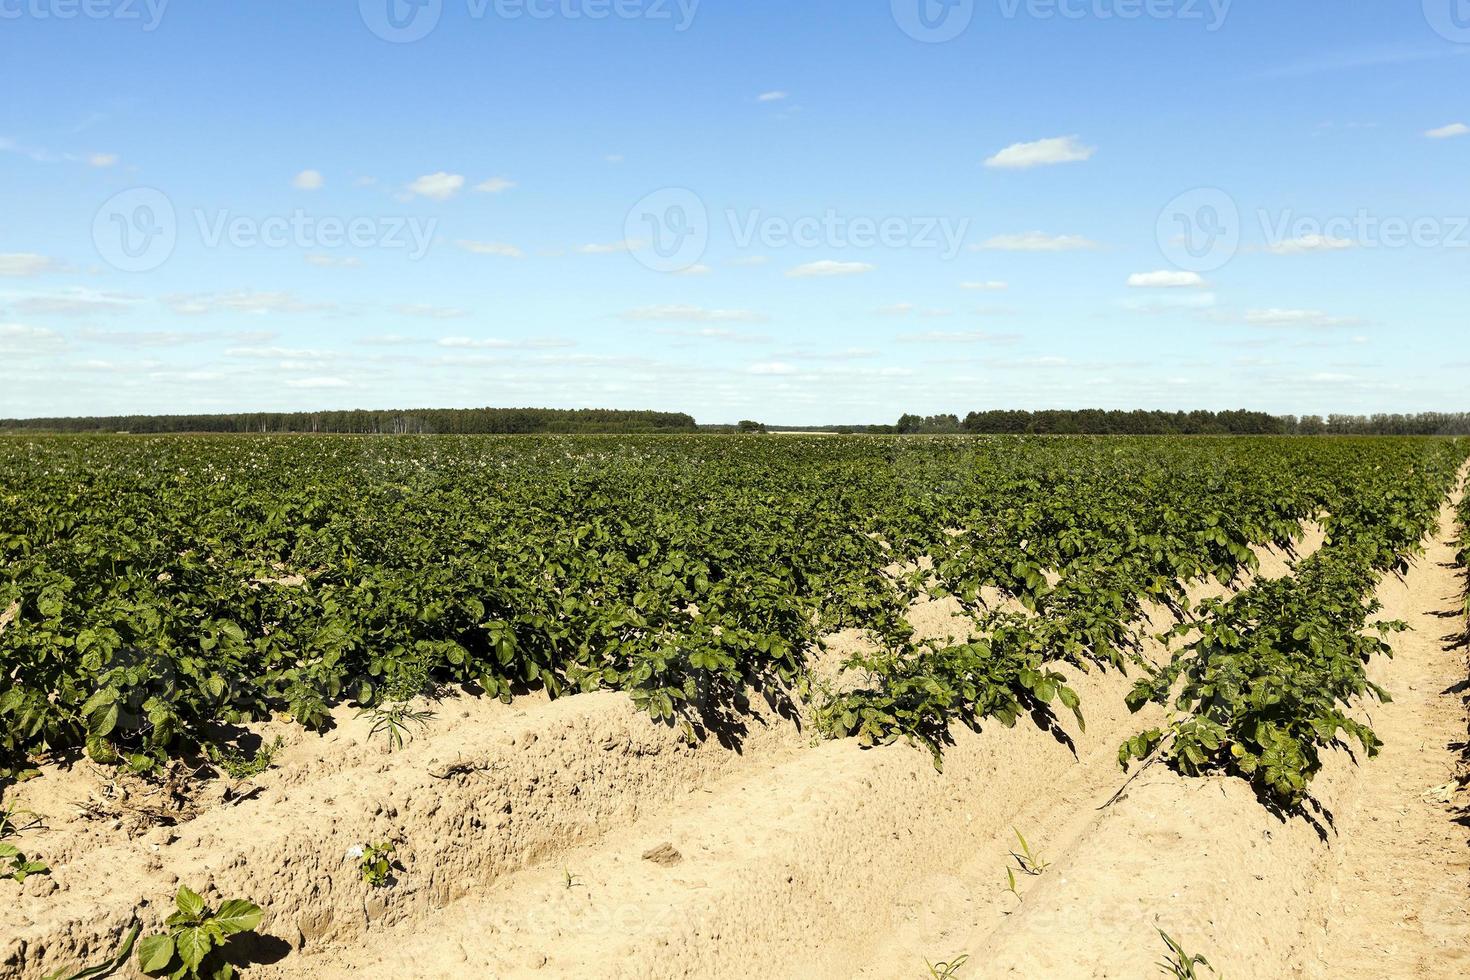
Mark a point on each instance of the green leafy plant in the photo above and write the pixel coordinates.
(394, 721)
(947, 969)
(15, 866)
(1178, 963)
(572, 881)
(197, 939)
(377, 863)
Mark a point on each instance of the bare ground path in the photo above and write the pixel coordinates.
(1397, 902)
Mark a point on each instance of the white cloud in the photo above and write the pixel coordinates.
(332, 262)
(439, 186)
(828, 269)
(491, 248)
(280, 353)
(257, 304)
(611, 248)
(1446, 132)
(25, 265)
(614, 158)
(692, 314)
(711, 333)
(1058, 149)
(897, 309)
(1036, 241)
(427, 311)
(73, 302)
(772, 367)
(773, 96)
(323, 382)
(695, 270)
(960, 337)
(993, 286)
(103, 160)
(495, 185)
(1166, 279)
(1311, 319)
(751, 261)
(496, 343)
(1310, 243)
(308, 180)
(17, 338)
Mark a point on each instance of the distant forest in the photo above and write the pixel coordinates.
(528, 421)
(1100, 422)
(438, 421)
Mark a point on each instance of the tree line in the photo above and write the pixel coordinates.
(432, 421)
(1197, 423)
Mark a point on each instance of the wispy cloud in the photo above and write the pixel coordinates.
(776, 96)
(1448, 132)
(1041, 153)
(27, 265)
(252, 303)
(499, 249)
(1036, 241)
(679, 313)
(1166, 279)
(495, 185)
(828, 268)
(439, 186)
(308, 180)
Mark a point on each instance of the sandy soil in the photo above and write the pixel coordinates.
(576, 838)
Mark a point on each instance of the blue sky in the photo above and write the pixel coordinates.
(802, 211)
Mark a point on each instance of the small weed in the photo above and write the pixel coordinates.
(1011, 884)
(13, 821)
(102, 969)
(573, 881)
(1179, 964)
(233, 762)
(13, 865)
(947, 970)
(1031, 863)
(193, 948)
(393, 723)
(377, 864)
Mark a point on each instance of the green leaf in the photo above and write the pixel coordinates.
(193, 943)
(237, 915)
(190, 904)
(155, 953)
